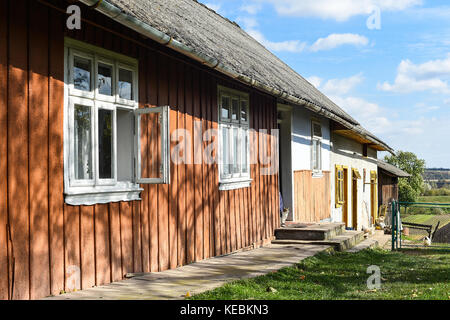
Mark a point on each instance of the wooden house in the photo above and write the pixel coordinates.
(107, 133)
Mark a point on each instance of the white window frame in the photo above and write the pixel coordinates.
(165, 152)
(242, 179)
(318, 140)
(96, 190)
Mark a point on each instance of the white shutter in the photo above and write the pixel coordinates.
(152, 159)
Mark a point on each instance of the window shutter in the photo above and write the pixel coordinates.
(152, 145)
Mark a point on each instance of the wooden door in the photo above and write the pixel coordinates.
(373, 196)
(354, 203)
(345, 205)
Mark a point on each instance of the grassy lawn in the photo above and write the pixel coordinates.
(434, 199)
(409, 274)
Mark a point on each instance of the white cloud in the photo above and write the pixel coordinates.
(340, 10)
(295, 46)
(251, 8)
(248, 23)
(429, 76)
(342, 86)
(339, 39)
(335, 87)
(315, 81)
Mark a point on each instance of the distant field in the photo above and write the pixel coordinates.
(435, 199)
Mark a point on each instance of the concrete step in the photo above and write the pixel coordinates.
(299, 231)
(341, 242)
(365, 244)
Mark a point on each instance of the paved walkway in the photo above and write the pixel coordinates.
(199, 277)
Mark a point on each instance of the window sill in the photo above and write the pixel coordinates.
(317, 174)
(101, 195)
(232, 185)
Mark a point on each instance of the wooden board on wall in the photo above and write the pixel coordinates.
(312, 196)
(4, 281)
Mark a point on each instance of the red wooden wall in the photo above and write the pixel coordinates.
(185, 221)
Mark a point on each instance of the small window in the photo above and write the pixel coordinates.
(339, 186)
(104, 158)
(234, 152)
(316, 147)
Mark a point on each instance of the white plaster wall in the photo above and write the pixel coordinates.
(301, 139)
(347, 152)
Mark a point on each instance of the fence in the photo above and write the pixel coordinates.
(427, 227)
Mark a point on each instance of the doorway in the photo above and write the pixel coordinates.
(355, 177)
(285, 158)
(373, 196)
(345, 205)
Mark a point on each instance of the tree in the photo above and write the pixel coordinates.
(410, 188)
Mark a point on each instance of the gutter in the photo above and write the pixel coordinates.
(131, 22)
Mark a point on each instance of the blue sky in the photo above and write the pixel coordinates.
(392, 74)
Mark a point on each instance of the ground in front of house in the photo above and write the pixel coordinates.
(405, 275)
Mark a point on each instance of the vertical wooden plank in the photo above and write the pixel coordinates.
(143, 99)
(232, 214)
(227, 213)
(204, 88)
(253, 157)
(38, 144)
(72, 263)
(269, 175)
(190, 205)
(87, 247)
(4, 281)
(102, 250)
(173, 188)
(215, 173)
(18, 193)
(163, 189)
(198, 177)
(115, 241)
(181, 169)
(222, 221)
(152, 91)
(238, 219)
(257, 115)
(126, 234)
(56, 157)
(136, 235)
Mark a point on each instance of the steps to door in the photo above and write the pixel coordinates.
(333, 234)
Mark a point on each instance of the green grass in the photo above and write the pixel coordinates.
(409, 274)
(434, 199)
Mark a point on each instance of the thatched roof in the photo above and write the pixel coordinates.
(207, 33)
(392, 169)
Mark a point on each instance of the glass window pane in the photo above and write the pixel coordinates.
(82, 74)
(244, 111)
(244, 150)
(82, 143)
(105, 144)
(314, 155)
(236, 151)
(125, 84)
(225, 151)
(225, 109)
(235, 109)
(105, 79)
(318, 156)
